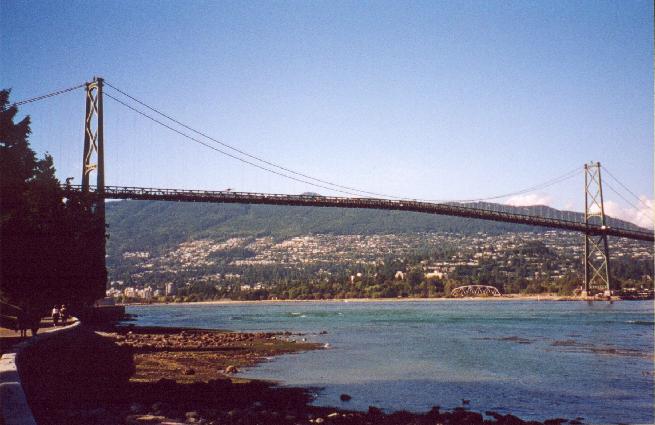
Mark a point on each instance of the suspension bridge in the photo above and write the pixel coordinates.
(593, 223)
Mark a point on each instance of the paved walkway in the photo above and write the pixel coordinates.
(9, 337)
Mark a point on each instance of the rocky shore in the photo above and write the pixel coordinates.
(135, 375)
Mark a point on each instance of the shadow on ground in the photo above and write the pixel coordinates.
(83, 378)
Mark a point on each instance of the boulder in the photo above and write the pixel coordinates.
(231, 369)
(137, 408)
(556, 421)
(434, 413)
(510, 420)
(159, 408)
(372, 410)
(166, 382)
(345, 397)
(465, 417)
(149, 419)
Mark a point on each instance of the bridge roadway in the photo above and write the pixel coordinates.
(451, 209)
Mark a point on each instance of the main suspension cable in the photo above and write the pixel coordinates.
(628, 189)
(46, 96)
(626, 200)
(543, 185)
(221, 151)
(241, 151)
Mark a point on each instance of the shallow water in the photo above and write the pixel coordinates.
(534, 359)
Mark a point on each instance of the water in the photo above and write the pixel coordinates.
(536, 360)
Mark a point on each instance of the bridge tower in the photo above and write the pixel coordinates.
(94, 152)
(93, 160)
(596, 253)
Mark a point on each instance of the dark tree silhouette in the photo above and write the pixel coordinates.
(51, 248)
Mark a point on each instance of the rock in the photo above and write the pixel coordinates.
(434, 412)
(372, 410)
(192, 414)
(345, 397)
(137, 408)
(556, 421)
(99, 412)
(322, 333)
(461, 416)
(189, 371)
(211, 412)
(149, 419)
(319, 420)
(495, 415)
(158, 408)
(144, 419)
(131, 419)
(231, 369)
(509, 420)
(333, 415)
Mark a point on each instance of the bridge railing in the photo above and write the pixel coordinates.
(450, 208)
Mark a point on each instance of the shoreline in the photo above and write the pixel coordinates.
(504, 298)
(159, 375)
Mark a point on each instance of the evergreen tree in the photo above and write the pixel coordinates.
(51, 249)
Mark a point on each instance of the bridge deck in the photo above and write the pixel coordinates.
(451, 209)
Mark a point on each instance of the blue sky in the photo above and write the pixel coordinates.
(437, 100)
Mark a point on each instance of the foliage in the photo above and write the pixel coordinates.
(52, 250)
(365, 280)
(156, 226)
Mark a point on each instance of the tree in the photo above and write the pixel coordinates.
(51, 249)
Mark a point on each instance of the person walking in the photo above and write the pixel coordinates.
(63, 312)
(55, 315)
(22, 322)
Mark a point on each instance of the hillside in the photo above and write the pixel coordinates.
(154, 225)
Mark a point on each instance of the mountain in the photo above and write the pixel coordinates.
(157, 225)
